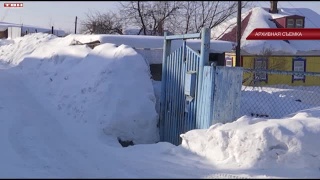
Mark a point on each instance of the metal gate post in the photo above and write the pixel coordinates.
(176, 116)
(166, 52)
(204, 57)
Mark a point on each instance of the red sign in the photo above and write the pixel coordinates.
(11, 5)
(285, 34)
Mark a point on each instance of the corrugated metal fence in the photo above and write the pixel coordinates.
(194, 94)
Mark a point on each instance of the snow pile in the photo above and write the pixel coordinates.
(152, 42)
(13, 51)
(4, 42)
(108, 87)
(261, 143)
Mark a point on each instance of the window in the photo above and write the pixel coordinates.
(229, 61)
(290, 23)
(299, 23)
(299, 65)
(260, 64)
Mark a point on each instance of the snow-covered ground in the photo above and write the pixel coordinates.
(279, 100)
(63, 108)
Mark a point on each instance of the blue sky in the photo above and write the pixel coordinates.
(62, 14)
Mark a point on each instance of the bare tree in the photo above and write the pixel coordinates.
(101, 23)
(195, 15)
(149, 16)
(176, 16)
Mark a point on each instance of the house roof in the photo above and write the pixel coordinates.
(136, 31)
(261, 18)
(152, 42)
(29, 28)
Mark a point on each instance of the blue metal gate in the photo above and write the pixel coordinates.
(182, 73)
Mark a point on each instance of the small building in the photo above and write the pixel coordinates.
(282, 55)
(11, 30)
(151, 48)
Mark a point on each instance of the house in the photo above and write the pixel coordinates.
(11, 30)
(282, 55)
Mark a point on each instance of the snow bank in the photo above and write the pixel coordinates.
(108, 87)
(151, 42)
(13, 51)
(261, 143)
(150, 47)
(5, 42)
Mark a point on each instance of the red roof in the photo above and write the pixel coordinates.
(232, 35)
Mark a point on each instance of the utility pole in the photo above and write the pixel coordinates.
(75, 27)
(238, 56)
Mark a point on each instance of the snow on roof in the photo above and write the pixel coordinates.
(226, 26)
(30, 29)
(260, 18)
(284, 13)
(136, 31)
(152, 42)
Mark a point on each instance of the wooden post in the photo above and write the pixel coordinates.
(204, 56)
(238, 48)
(75, 25)
(52, 30)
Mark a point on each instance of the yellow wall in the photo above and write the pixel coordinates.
(284, 64)
(233, 55)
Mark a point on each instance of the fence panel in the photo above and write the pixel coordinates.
(275, 94)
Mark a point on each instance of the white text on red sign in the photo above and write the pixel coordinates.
(13, 5)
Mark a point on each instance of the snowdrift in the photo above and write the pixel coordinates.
(261, 143)
(13, 51)
(108, 87)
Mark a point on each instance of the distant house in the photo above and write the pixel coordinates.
(11, 30)
(285, 55)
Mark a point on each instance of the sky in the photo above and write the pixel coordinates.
(62, 14)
